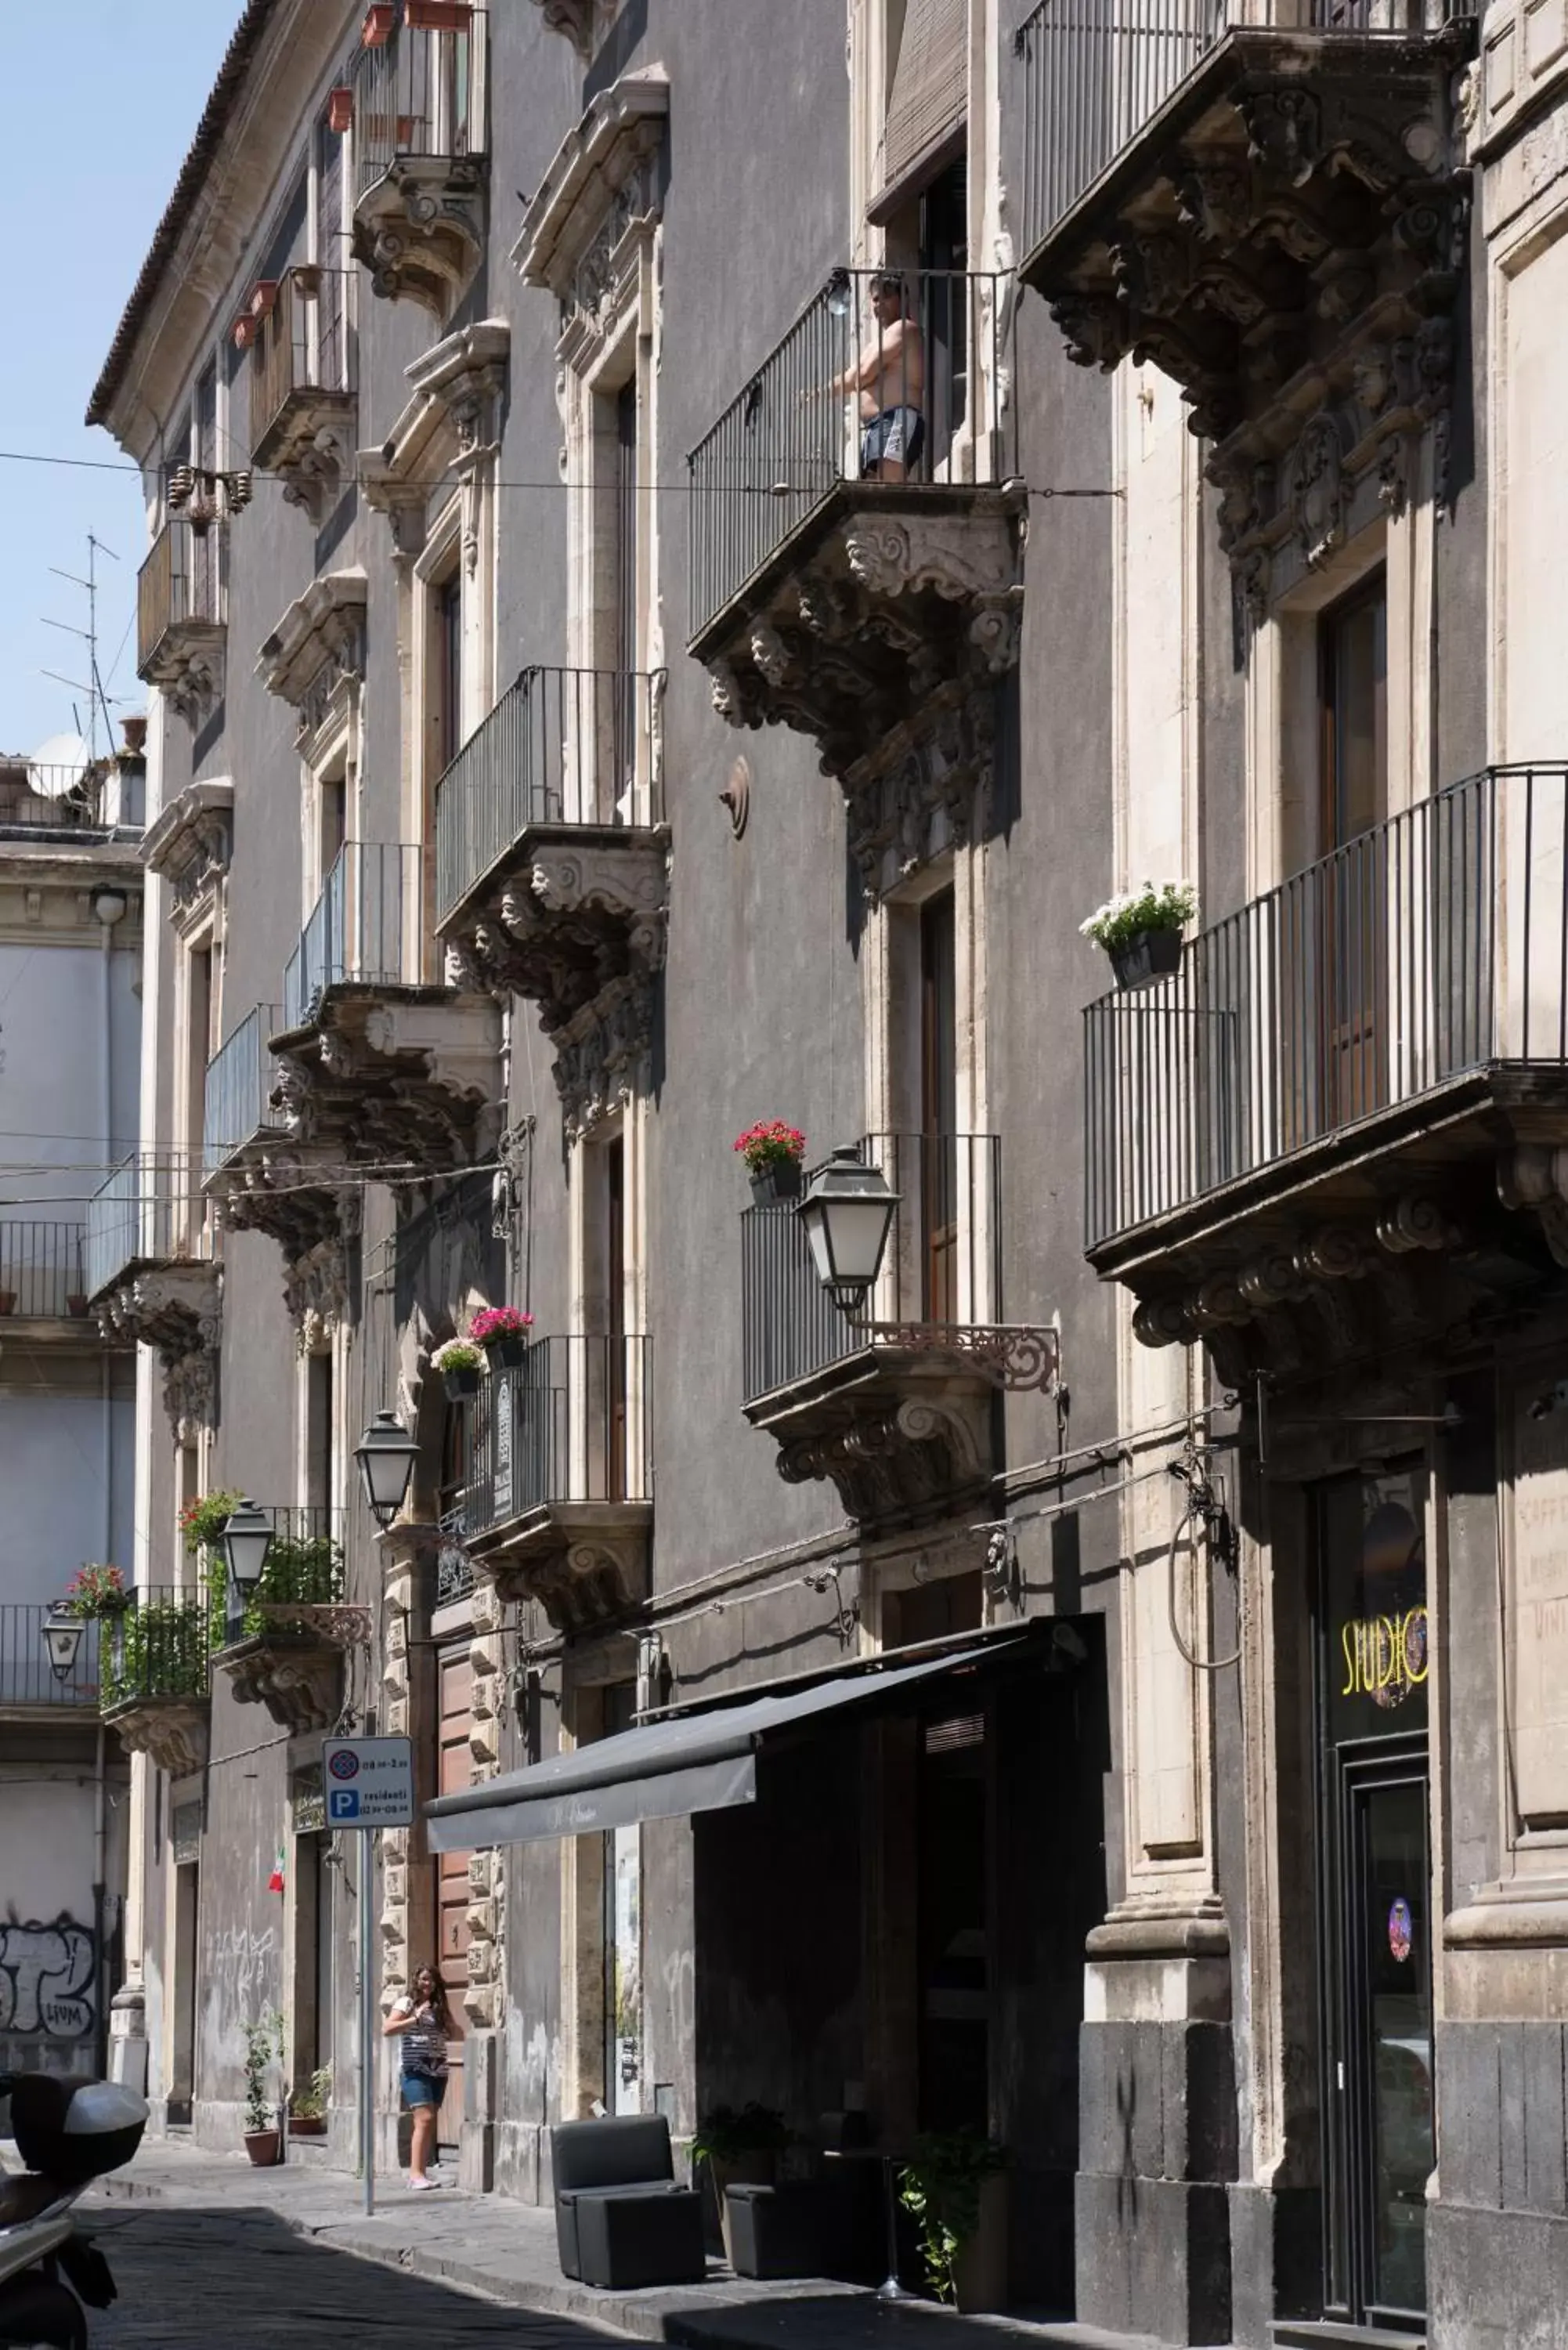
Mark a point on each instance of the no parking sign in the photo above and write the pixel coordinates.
(370, 1783)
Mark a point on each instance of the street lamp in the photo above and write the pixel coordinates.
(247, 1538)
(62, 1640)
(847, 1214)
(387, 1454)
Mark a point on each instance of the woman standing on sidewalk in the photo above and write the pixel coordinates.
(422, 2021)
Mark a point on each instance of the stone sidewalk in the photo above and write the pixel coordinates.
(505, 2251)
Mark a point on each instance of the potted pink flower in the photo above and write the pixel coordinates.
(503, 1332)
(772, 1152)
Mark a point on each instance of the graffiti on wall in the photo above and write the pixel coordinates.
(47, 1978)
(240, 1965)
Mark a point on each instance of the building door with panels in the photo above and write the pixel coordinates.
(1375, 1899)
(622, 1936)
(939, 1170)
(455, 1772)
(1356, 915)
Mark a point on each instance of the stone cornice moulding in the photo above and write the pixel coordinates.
(452, 420)
(624, 125)
(297, 64)
(192, 835)
(575, 20)
(324, 625)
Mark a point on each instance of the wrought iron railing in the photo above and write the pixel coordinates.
(150, 1211)
(238, 1097)
(302, 344)
(1432, 946)
(37, 796)
(1095, 72)
(42, 1269)
(561, 746)
(943, 1261)
(180, 580)
(573, 1422)
(366, 926)
(414, 94)
(912, 385)
(27, 1676)
(159, 1647)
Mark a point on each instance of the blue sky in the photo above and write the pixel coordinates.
(104, 97)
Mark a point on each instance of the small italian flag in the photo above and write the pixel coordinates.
(275, 1882)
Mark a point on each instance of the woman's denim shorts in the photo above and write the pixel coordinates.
(418, 2091)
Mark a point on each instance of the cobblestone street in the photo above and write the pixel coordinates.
(189, 2278)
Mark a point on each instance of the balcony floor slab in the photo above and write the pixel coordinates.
(585, 1563)
(905, 1437)
(381, 1072)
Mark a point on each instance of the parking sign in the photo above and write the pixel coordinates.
(370, 1783)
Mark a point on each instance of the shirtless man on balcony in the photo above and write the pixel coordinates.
(889, 379)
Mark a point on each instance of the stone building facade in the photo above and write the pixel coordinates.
(1098, 1686)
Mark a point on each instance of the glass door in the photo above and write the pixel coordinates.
(1379, 2147)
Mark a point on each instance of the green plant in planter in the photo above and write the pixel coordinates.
(97, 1591)
(940, 2189)
(1152, 906)
(309, 2104)
(263, 2043)
(728, 2136)
(203, 1523)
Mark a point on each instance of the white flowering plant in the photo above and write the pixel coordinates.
(1152, 906)
(457, 1355)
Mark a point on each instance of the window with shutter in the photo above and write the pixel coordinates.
(929, 99)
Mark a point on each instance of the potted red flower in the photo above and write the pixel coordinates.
(772, 1152)
(503, 1332)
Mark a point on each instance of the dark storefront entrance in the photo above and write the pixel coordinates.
(1375, 1906)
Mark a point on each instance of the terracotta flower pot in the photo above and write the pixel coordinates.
(264, 294)
(308, 2126)
(774, 1186)
(8, 1301)
(979, 2270)
(262, 2145)
(755, 2169)
(1153, 954)
(376, 30)
(437, 15)
(341, 108)
(76, 1303)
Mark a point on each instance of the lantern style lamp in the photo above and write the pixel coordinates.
(848, 1213)
(62, 1641)
(247, 1538)
(386, 1454)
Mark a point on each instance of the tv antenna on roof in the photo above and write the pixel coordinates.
(96, 698)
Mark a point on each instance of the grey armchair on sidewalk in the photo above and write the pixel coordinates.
(620, 2218)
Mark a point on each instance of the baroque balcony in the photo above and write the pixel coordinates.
(418, 144)
(1341, 1129)
(871, 600)
(552, 867)
(374, 1067)
(302, 402)
(153, 1276)
(899, 1409)
(181, 629)
(284, 1646)
(1265, 198)
(558, 1503)
(155, 1679)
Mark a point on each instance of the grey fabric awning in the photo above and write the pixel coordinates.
(700, 1762)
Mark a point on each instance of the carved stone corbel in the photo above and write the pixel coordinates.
(1532, 1178)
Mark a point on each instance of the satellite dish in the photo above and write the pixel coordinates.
(57, 766)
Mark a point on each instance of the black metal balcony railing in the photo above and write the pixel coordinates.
(572, 1423)
(561, 746)
(302, 345)
(42, 1269)
(38, 797)
(150, 1211)
(1433, 946)
(238, 1096)
(160, 1648)
(1097, 71)
(943, 1261)
(25, 1675)
(800, 428)
(414, 95)
(180, 580)
(365, 926)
